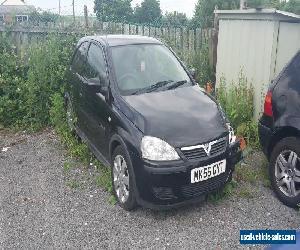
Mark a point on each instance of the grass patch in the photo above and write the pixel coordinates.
(67, 166)
(247, 173)
(246, 191)
(246, 178)
(73, 184)
(104, 179)
(112, 200)
(226, 192)
(244, 173)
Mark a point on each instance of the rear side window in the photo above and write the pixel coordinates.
(79, 58)
(296, 65)
(95, 68)
(292, 73)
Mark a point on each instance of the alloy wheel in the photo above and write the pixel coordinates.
(287, 173)
(121, 178)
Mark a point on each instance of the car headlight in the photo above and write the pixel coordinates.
(232, 137)
(155, 149)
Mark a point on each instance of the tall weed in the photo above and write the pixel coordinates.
(237, 100)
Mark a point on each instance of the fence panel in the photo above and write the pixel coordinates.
(183, 40)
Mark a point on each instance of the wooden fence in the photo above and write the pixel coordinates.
(184, 41)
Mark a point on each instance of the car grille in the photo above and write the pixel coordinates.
(198, 152)
(204, 187)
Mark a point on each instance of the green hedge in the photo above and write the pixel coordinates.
(27, 81)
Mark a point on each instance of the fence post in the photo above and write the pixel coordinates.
(73, 11)
(181, 38)
(195, 39)
(188, 39)
(215, 37)
(86, 18)
(123, 28)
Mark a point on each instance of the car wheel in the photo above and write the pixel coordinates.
(123, 179)
(285, 171)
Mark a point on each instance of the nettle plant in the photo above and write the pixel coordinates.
(237, 100)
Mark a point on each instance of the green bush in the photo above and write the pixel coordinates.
(12, 77)
(47, 66)
(200, 61)
(237, 100)
(28, 81)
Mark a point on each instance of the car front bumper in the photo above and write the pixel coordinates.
(163, 186)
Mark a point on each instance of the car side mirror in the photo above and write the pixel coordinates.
(96, 85)
(193, 72)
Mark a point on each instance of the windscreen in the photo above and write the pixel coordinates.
(147, 68)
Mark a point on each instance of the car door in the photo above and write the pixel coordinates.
(96, 107)
(76, 83)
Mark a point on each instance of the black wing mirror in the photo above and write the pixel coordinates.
(96, 85)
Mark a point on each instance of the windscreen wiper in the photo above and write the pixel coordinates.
(177, 84)
(153, 87)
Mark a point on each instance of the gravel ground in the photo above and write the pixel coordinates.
(38, 209)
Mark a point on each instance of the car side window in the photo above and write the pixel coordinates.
(79, 58)
(95, 70)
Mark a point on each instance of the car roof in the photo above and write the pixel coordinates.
(119, 40)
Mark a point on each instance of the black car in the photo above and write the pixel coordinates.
(279, 131)
(140, 112)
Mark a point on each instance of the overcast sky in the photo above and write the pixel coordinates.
(186, 6)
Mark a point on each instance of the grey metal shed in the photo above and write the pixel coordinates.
(257, 42)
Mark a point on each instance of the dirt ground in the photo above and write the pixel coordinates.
(44, 204)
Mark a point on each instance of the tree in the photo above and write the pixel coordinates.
(175, 19)
(204, 11)
(204, 16)
(265, 3)
(148, 12)
(292, 6)
(113, 10)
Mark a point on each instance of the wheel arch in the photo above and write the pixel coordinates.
(281, 134)
(115, 141)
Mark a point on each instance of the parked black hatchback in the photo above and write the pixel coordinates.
(141, 113)
(279, 130)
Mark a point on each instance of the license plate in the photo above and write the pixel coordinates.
(207, 172)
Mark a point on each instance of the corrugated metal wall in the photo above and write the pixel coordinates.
(247, 46)
(288, 44)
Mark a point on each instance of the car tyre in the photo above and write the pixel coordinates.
(123, 179)
(284, 171)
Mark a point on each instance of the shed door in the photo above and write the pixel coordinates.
(288, 44)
